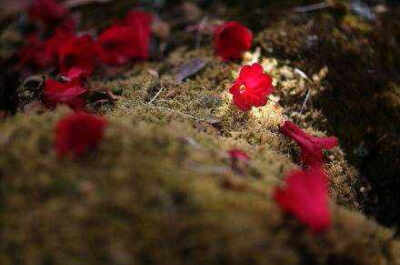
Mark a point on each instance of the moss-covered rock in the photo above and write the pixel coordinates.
(160, 194)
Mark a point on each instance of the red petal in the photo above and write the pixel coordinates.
(64, 93)
(311, 146)
(306, 197)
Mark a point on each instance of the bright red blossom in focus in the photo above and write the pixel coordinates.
(311, 146)
(306, 197)
(77, 57)
(252, 87)
(69, 93)
(127, 39)
(47, 11)
(231, 39)
(77, 133)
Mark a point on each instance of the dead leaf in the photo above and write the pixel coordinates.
(189, 69)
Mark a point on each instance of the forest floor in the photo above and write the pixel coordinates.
(161, 188)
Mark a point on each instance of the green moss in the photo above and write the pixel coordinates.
(157, 194)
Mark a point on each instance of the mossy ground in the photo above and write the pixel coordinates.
(160, 188)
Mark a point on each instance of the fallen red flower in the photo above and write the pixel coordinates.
(69, 93)
(78, 57)
(56, 41)
(311, 146)
(77, 133)
(306, 197)
(237, 154)
(251, 88)
(231, 39)
(119, 44)
(127, 39)
(138, 19)
(34, 54)
(47, 11)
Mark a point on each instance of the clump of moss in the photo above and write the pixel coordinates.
(148, 185)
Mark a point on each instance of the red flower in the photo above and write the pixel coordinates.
(119, 44)
(237, 154)
(311, 146)
(64, 93)
(231, 39)
(55, 42)
(77, 133)
(139, 19)
(47, 11)
(34, 54)
(251, 88)
(77, 57)
(128, 39)
(306, 197)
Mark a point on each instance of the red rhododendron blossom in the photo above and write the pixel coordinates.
(231, 39)
(34, 53)
(77, 57)
(138, 19)
(56, 41)
(69, 93)
(306, 197)
(77, 133)
(127, 39)
(47, 11)
(311, 146)
(252, 87)
(237, 154)
(119, 44)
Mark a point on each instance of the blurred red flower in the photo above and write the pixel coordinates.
(236, 154)
(127, 39)
(34, 53)
(119, 44)
(69, 93)
(251, 88)
(56, 41)
(77, 133)
(231, 39)
(311, 146)
(47, 11)
(306, 197)
(139, 19)
(78, 57)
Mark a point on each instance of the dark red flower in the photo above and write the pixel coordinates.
(69, 93)
(56, 41)
(306, 197)
(119, 44)
(231, 39)
(34, 54)
(252, 87)
(127, 39)
(47, 11)
(311, 146)
(77, 133)
(138, 19)
(78, 57)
